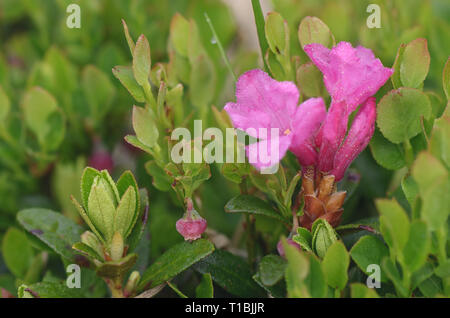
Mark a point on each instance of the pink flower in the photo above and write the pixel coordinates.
(267, 109)
(358, 138)
(191, 226)
(351, 75)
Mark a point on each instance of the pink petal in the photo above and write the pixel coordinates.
(263, 102)
(358, 138)
(262, 156)
(307, 121)
(350, 74)
(331, 135)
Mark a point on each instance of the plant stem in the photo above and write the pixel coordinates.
(260, 23)
(115, 286)
(221, 49)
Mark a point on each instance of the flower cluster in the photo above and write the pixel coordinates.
(317, 137)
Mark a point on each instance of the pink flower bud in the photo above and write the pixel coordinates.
(280, 247)
(100, 158)
(191, 226)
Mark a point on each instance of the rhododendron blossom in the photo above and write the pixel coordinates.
(315, 136)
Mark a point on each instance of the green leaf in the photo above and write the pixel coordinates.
(252, 205)
(125, 213)
(446, 79)
(303, 238)
(400, 112)
(296, 272)
(323, 236)
(394, 223)
(17, 252)
(277, 33)
(314, 30)
(431, 287)
(52, 228)
(174, 261)
(415, 63)
(142, 61)
(5, 105)
(101, 209)
(125, 75)
(369, 250)
(271, 269)
(391, 271)
(335, 265)
(315, 281)
(48, 290)
(443, 270)
(310, 80)
(416, 250)
(205, 289)
(161, 180)
(44, 118)
(359, 290)
(179, 34)
(99, 92)
(86, 250)
(395, 78)
(130, 41)
(230, 272)
(410, 189)
(385, 153)
(260, 23)
(145, 126)
(203, 81)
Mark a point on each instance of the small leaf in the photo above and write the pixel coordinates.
(369, 250)
(230, 272)
(359, 290)
(391, 271)
(179, 34)
(252, 205)
(98, 90)
(415, 63)
(48, 290)
(277, 33)
(385, 153)
(296, 272)
(304, 239)
(142, 61)
(323, 236)
(205, 289)
(130, 41)
(125, 75)
(335, 265)
(17, 252)
(315, 281)
(395, 78)
(174, 261)
(314, 30)
(125, 213)
(400, 112)
(145, 126)
(271, 269)
(394, 223)
(410, 189)
(88, 251)
(203, 80)
(101, 209)
(43, 117)
(416, 250)
(54, 229)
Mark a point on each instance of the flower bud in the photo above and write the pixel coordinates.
(132, 283)
(116, 247)
(192, 225)
(92, 241)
